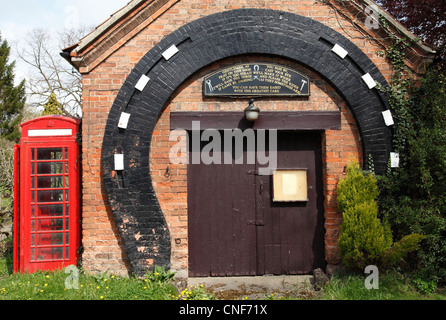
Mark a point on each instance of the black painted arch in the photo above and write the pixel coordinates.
(135, 207)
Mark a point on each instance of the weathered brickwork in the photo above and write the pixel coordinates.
(170, 180)
(102, 241)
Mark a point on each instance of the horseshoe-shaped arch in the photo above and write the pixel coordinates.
(131, 196)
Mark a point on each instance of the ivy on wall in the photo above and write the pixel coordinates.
(414, 194)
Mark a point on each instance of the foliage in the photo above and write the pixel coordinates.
(425, 286)
(413, 196)
(12, 98)
(402, 248)
(6, 256)
(52, 107)
(273, 296)
(159, 275)
(423, 18)
(356, 188)
(6, 179)
(364, 238)
(197, 292)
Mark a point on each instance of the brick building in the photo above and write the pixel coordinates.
(150, 61)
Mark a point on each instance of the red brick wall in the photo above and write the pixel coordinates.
(338, 147)
(101, 241)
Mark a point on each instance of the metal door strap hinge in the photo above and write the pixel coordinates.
(255, 222)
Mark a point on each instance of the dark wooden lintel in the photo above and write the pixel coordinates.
(280, 120)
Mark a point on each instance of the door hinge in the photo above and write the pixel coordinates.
(255, 222)
(252, 172)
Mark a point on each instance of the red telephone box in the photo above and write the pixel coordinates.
(47, 195)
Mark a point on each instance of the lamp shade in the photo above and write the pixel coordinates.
(252, 112)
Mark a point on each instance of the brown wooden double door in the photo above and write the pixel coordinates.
(236, 229)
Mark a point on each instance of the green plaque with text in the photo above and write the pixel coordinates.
(256, 79)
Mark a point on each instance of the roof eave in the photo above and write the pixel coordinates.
(73, 54)
(402, 29)
(101, 29)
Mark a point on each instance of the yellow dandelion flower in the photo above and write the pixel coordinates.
(102, 297)
(98, 287)
(47, 276)
(46, 285)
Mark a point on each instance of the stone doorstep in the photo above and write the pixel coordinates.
(257, 287)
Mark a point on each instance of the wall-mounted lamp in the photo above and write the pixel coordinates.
(252, 112)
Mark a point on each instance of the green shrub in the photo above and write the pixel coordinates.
(425, 286)
(402, 248)
(364, 238)
(414, 195)
(356, 188)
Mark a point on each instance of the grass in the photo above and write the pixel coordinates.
(51, 286)
(58, 285)
(159, 285)
(392, 286)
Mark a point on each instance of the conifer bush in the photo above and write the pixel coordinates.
(356, 188)
(364, 238)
